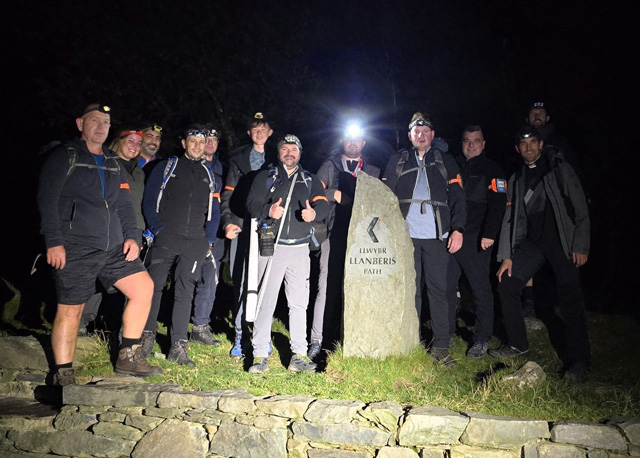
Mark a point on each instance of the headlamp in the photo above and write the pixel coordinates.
(353, 131)
(196, 133)
(96, 107)
(213, 133)
(420, 122)
(290, 139)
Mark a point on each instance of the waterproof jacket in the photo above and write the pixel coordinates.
(238, 182)
(453, 216)
(486, 192)
(75, 209)
(563, 191)
(333, 177)
(269, 186)
(184, 206)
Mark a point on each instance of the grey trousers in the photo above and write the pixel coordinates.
(321, 296)
(291, 264)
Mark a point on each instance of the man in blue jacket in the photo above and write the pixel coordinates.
(178, 207)
(89, 226)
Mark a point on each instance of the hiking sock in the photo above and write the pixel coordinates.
(127, 342)
(64, 366)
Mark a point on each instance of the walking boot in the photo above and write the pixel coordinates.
(202, 334)
(178, 354)
(131, 361)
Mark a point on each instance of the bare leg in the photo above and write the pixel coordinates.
(138, 288)
(64, 333)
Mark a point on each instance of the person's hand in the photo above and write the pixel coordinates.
(337, 196)
(486, 243)
(455, 242)
(579, 259)
(276, 211)
(308, 213)
(231, 231)
(506, 266)
(57, 257)
(131, 249)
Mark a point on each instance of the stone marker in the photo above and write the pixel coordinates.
(379, 317)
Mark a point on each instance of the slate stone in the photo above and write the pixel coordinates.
(241, 441)
(502, 432)
(631, 429)
(379, 317)
(173, 438)
(317, 453)
(237, 403)
(340, 434)
(434, 452)
(588, 435)
(194, 399)
(163, 413)
(117, 431)
(329, 411)
(285, 406)
(116, 417)
(396, 452)
(297, 449)
(549, 450)
(428, 425)
(142, 422)
(270, 422)
(467, 451)
(385, 415)
(113, 395)
(72, 443)
(73, 420)
(29, 353)
(528, 376)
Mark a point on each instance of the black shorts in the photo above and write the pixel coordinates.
(77, 281)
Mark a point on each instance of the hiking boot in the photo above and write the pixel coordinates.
(146, 342)
(178, 354)
(478, 350)
(236, 350)
(314, 350)
(131, 361)
(64, 377)
(442, 356)
(301, 363)
(202, 334)
(82, 331)
(507, 351)
(576, 373)
(260, 365)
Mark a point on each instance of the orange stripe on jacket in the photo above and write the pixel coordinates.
(124, 185)
(229, 188)
(319, 198)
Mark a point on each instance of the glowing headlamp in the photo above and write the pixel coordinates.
(354, 130)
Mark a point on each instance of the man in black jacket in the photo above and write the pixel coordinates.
(547, 220)
(429, 189)
(485, 189)
(289, 198)
(338, 175)
(90, 232)
(244, 164)
(178, 207)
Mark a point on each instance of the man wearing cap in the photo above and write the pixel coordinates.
(485, 189)
(205, 294)
(178, 206)
(151, 139)
(338, 175)
(547, 220)
(244, 164)
(289, 198)
(429, 189)
(87, 240)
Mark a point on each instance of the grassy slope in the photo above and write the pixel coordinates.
(612, 390)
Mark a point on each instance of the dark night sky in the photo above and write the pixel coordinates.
(306, 64)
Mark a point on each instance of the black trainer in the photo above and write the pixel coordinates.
(260, 365)
(202, 335)
(147, 340)
(478, 350)
(178, 354)
(507, 351)
(314, 350)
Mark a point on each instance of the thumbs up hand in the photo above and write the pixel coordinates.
(308, 213)
(276, 211)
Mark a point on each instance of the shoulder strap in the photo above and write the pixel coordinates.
(166, 176)
(440, 164)
(73, 157)
(404, 157)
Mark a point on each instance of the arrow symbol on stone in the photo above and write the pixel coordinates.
(372, 224)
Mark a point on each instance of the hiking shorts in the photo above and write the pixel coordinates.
(77, 281)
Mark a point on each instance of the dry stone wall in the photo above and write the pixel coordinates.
(123, 417)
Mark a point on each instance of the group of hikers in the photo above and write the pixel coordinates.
(119, 221)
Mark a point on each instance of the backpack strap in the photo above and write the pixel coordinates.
(166, 176)
(73, 163)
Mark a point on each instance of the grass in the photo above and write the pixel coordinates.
(611, 391)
